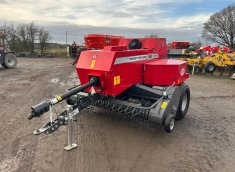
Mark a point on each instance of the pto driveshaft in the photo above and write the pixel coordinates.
(44, 106)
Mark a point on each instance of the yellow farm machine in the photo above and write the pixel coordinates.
(207, 59)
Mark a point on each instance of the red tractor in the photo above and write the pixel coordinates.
(134, 79)
(7, 58)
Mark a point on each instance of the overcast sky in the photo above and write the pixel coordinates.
(173, 19)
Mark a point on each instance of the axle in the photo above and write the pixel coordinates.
(44, 106)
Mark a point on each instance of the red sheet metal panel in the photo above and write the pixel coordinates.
(165, 72)
(99, 41)
(118, 68)
(155, 44)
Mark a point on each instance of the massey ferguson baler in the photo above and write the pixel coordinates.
(134, 79)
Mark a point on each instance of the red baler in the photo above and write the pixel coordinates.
(134, 79)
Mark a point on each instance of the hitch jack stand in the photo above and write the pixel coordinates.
(71, 145)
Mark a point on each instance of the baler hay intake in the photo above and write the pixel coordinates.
(133, 79)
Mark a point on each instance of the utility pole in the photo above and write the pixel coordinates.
(67, 46)
(66, 34)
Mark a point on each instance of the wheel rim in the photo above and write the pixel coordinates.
(184, 102)
(10, 61)
(172, 124)
(211, 68)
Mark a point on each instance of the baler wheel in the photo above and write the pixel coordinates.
(169, 123)
(183, 102)
(210, 67)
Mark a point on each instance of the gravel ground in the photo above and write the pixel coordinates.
(203, 141)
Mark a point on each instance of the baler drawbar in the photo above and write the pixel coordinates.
(134, 80)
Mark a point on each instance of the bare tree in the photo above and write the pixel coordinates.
(197, 44)
(32, 31)
(221, 27)
(23, 37)
(11, 37)
(44, 37)
(22, 33)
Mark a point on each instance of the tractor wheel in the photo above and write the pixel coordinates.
(183, 102)
(169, 123)
(210, 67)
(9, 61)
(3, 65)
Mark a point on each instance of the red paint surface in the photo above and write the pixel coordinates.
(158, 71)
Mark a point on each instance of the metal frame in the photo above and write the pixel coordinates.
(152, 104)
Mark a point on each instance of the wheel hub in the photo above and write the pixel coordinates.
(184, 102)
(210, 68)
(10, 61)
(172, 124)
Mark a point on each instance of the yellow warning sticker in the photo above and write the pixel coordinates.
(164, 104)
(116, 80)
(92, 64)
(59, 98)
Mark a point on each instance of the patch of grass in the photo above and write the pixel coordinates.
(57, 52)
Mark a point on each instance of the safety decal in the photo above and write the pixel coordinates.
(116, 80)
(92, 64)
(164, 105)
(59, 98)
(182, 71)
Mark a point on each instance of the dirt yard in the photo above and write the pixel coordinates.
(203, 141)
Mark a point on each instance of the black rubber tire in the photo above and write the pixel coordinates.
(183, 109)
(9, 61)
(210, 67)
(134, 44)
(168, 123)
(3, 65)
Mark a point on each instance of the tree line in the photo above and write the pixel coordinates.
(24, 37)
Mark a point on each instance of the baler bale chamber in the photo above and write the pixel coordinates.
(134, 79)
